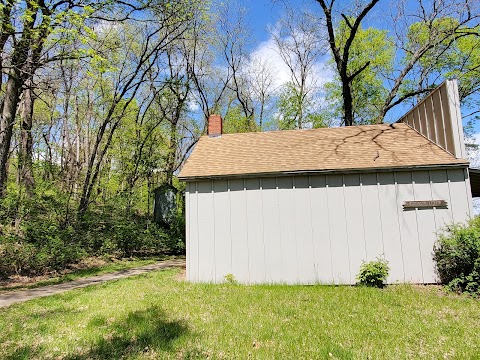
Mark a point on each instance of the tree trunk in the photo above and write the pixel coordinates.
(170, 163)
(347, 103)
(25, 153)
(11, 100)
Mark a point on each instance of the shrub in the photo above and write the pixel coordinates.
(230, 278)
(373, 273)
(16, 257)
(42, 234)
(457, 257)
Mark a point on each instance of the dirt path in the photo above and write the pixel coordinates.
(17, 296)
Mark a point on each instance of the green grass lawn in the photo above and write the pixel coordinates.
(159, 316)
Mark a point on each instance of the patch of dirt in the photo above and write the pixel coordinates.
(182, 275)
(15, 281)
(18, 281)
(87, 263)
(433, 288)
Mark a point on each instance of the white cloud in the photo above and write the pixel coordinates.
(266, 51)
(193, 104)
(103, 26)
(474, 155)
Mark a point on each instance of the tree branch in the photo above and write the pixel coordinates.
(347, 21)
(351, 77)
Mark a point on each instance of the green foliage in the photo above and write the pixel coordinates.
(235, 121)
(373, 273)
(457, 257)
(40, 234)
(230, 278)
(455, 55)
(297, 111)
(36, 240)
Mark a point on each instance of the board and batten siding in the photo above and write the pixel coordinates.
(319, 228)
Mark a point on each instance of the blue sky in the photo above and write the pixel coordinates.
(262, 14)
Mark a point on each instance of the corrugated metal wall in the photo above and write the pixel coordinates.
(438, 118)
(319, 228)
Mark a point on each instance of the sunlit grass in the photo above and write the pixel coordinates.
(158, 316)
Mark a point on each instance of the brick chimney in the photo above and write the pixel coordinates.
(214, 125)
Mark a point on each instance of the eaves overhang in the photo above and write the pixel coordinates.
(331, 171)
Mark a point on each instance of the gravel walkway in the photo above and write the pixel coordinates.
(17, 296)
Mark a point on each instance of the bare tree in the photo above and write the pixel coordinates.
(209, 82)
(233, 35)
(261, 84)
(300, 44)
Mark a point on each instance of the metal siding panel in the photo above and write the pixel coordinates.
(432, 133)
(416, 115)
(408, 228)
(307, 273)
(468, 189)
(410, 120)
(320, 229)
(187, 229)
(223, 245)
(271, 231)
(355, 223)
(456, 118)
(458, 195)
(338, 230)
(238, 208)
(441, 191)
(256, 248)
(287, 229)
(440, 127)
(392, 240)
(206, 226)
(426, 225)
(192, 256)
(447, 120)
(422, 120)
(372, 218)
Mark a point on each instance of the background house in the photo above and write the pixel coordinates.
(307, 206)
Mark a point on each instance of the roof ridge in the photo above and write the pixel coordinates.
(341, 128)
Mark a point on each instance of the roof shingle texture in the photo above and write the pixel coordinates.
(330, 149)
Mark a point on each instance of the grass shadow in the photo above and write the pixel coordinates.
(23, 353)
(140, 332)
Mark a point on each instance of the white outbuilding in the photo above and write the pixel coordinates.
(308, 206)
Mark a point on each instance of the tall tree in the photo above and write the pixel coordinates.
(341, 51)
(300, 43)
(233, 38)
(26, 26)
(368, 90)
(141, 46)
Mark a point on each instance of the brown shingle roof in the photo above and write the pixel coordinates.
(330, 149)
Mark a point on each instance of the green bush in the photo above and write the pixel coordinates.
(457, 257)
(373, 273)
(16, 257)
(42, 234)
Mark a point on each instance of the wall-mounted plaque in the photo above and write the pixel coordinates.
(421, 204)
